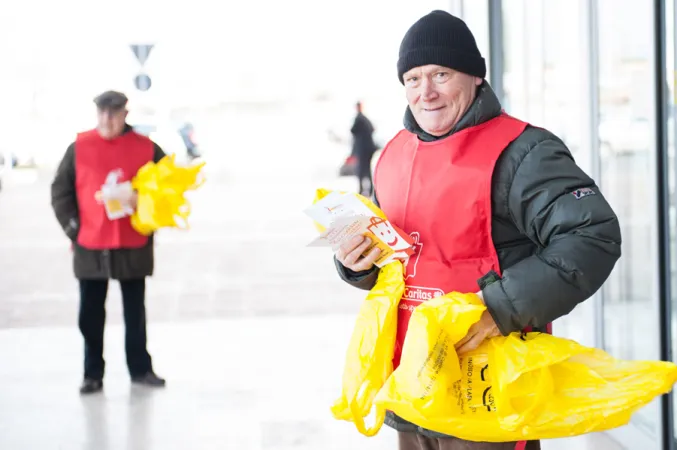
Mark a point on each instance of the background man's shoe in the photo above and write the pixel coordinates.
(149, 379)
(90, 386)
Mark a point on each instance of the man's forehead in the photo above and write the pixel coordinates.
(112, 111)
(426, 69)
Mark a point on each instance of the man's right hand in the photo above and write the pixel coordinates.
(350, 254)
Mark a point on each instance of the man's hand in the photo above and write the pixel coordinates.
(130, 198)
(122, 193)
(484, 329)
(350, 254)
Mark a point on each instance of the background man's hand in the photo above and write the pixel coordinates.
(127, 198)
(484, 329)
(132, 199)
(350, 254)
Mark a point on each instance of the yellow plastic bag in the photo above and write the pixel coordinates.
(368, 361)
(519, 387)
(160, 188)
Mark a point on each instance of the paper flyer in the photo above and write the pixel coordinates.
(345, 216)
(116, 197)
(116, 200)
(335, 205)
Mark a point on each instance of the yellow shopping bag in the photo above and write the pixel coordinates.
(160, 194)
(369, 358)
(520, 387)
(368, 361)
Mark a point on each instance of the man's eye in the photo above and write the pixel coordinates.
(411, 79)
(441, 75)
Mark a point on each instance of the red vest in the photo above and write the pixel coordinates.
(440, 193)
(95, 158)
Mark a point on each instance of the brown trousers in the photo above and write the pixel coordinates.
(415, 441)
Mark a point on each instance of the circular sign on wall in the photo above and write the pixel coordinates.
(142, 82)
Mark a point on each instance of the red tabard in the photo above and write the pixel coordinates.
(95, 158)
(440, 193)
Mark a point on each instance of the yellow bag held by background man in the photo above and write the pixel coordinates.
(525, 386)
(160, 191)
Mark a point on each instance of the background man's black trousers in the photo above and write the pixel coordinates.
(93, 318)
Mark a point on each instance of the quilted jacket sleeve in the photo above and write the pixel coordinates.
(553, 202)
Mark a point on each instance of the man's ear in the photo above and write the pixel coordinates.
(126, 113)
(478, 81)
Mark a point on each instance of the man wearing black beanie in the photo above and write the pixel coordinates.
(496, 205)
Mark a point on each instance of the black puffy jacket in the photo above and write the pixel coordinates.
(555, 249)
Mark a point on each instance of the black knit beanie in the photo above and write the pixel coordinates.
(442, 39)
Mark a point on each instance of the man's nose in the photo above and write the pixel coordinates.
(428, 91)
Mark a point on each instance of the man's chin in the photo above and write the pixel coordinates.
(436, 131)
(105, 135)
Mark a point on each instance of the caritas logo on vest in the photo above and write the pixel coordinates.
(413, 293)
(421, 293)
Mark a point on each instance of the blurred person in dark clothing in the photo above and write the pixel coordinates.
(103, 248)
(363, 149)
(187, 133)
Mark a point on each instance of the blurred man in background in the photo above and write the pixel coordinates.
(363, 149)
(103, 248)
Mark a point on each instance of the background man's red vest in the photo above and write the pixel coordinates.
(95, 158)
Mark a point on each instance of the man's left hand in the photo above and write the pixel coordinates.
(128, 198)
(133, 199)
(484, 329)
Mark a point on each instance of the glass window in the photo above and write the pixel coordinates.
(543, 80)
(628, 178)
(564, 96)
(476, 15)
(545, 84)
(518, 57)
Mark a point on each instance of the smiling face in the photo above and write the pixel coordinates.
(385, 231)
(438, 96)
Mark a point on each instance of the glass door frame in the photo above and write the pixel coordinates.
(664, 197)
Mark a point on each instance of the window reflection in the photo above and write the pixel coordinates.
(627, 136)
(545, 86)
(476, 15)
(542, 80)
